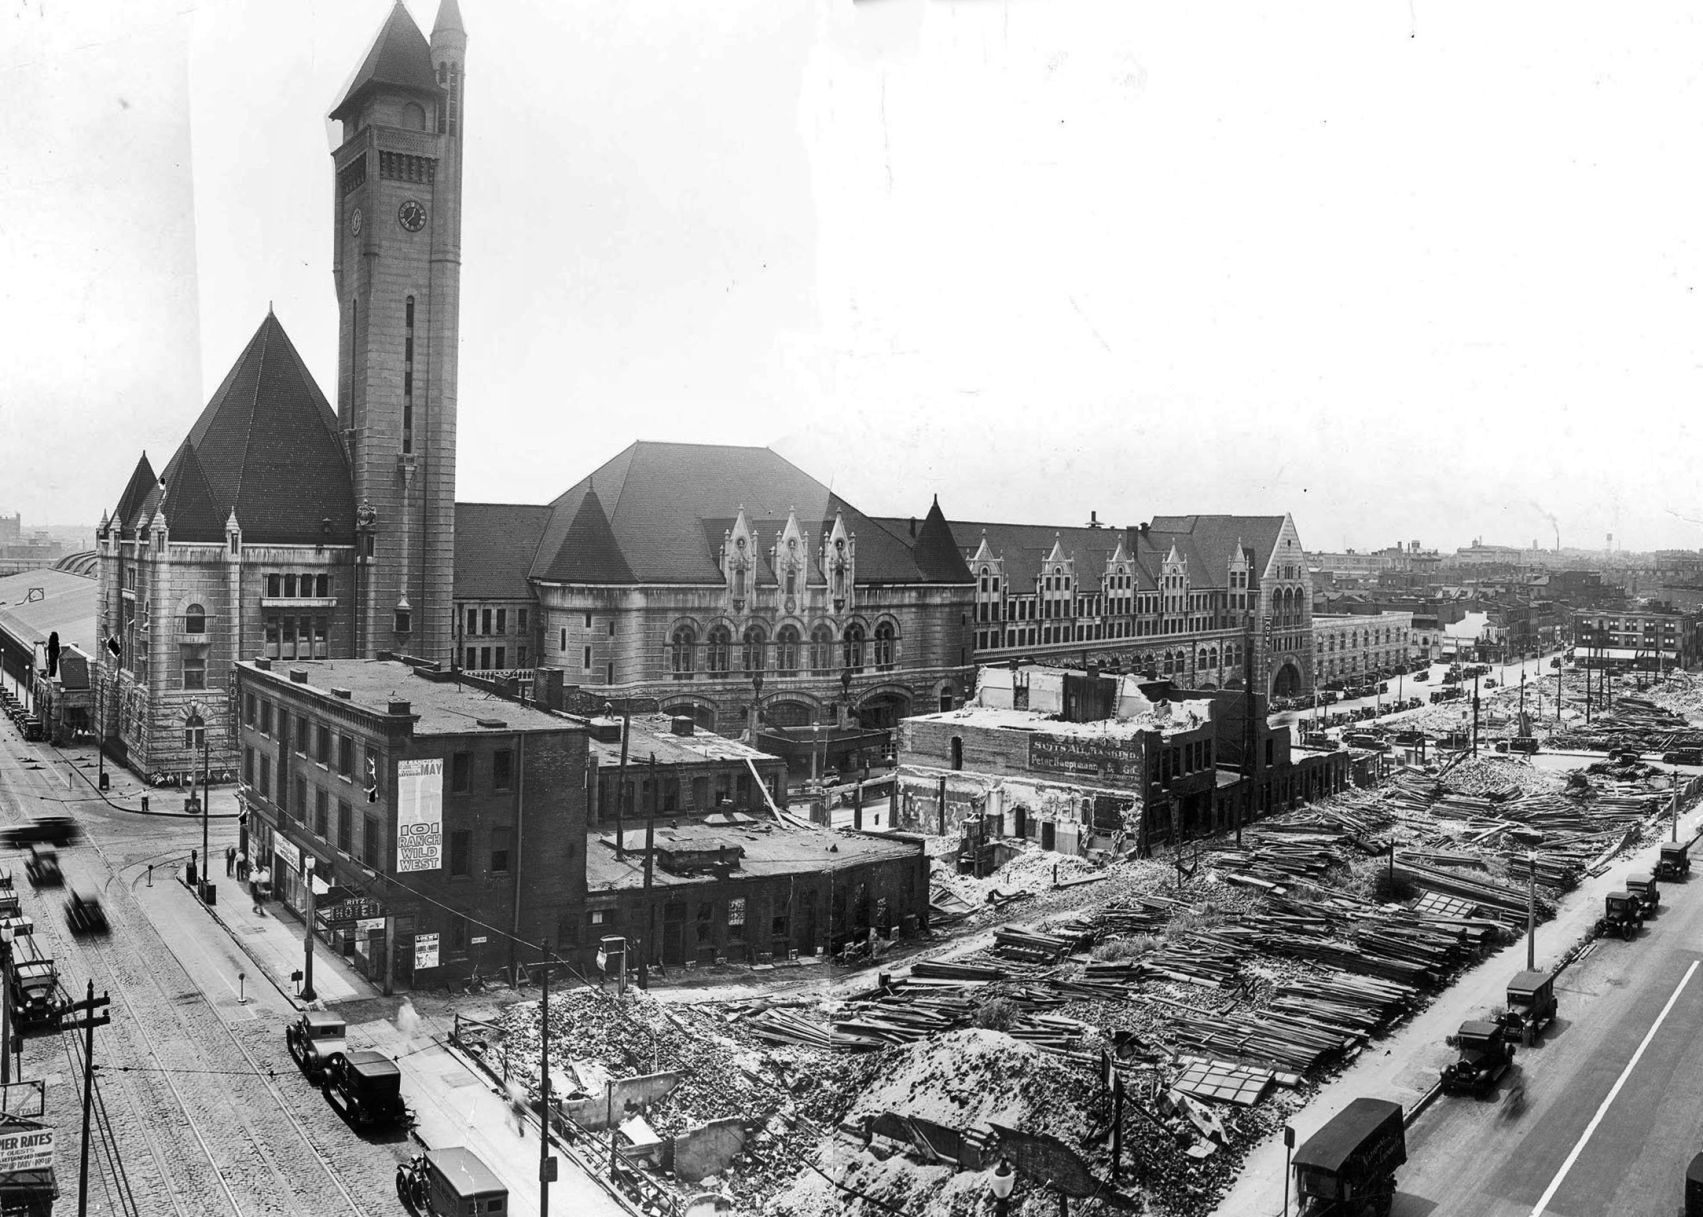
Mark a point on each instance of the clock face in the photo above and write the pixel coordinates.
(356, 219)
(411, 215)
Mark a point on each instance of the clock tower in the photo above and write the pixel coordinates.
(397, 266)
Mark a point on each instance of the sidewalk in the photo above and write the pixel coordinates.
(453, 1101)
(1408, 1066)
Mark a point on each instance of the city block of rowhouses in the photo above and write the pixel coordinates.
(1081, 762)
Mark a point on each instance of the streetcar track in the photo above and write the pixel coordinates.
(142, 1085)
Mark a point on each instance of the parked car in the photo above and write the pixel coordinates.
(1485, 1055)
(35, 994)
(316, 1039)
(367, 1088)
(1531, 1006)
(441, 1182)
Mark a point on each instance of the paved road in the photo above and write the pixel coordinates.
(200, 1109)
(1612, 1109)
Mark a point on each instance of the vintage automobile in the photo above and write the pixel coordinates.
(50, 830)
(449, 1183)
(35, 994)
(83, 912)
(1649, 894)
(1675, 862)
(367, 1088)
(42, 869)
(1531, 1006)
(315, 1039)
(1347, 1168)
(1485, 1055)
(1622, 916)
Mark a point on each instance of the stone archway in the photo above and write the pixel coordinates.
(1286, 682)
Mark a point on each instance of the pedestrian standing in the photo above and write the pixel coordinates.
(191, 870)
(230, 860)
(517, 1109)
(254, 890)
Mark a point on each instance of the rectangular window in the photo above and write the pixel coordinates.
(321, 637)
(459, 849)
(500, 845)
(485, 621)
(266, 718)
(272, 638)
(289, 587)
(321, 812)
(322, 753)
(372, 853)
(274, 585)
(194, 668)
(520, 622)
(322, 586)
(248, 705)
(301, 735)
(611, 627)
(472, 622)
(345, 826)
(502, 769)
(283, 731)
(520, 656)
(736, 918)
(265, 776)
(301, 797)
(588, 621)
(472, 657)
(345, 755)
(502, 657)
(585, 660)
(461, 772)
(502, 623)
(484, 657)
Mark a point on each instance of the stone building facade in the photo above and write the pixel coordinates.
(281, 527)
(1189, 598)
(1353, 647)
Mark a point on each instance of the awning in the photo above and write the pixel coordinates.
(1588, 653)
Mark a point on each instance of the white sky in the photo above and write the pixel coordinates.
(1407, 271)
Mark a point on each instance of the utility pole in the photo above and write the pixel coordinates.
(621, 780)
(650, 866)
(546, 1164)
(207, 888)
(1531, 910)
(1675, 808)
(1475, 714)
(6, 940)
(90, 1019)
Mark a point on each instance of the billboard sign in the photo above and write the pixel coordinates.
(425, 950)
(419, 815)
(26, 1149)
(1090, 755)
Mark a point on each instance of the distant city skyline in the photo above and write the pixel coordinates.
(1040, 259)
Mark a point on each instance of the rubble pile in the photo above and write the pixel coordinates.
(1633, 724)
(785, 1097)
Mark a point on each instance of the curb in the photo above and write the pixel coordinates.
(1418, 1109)
(224, 925)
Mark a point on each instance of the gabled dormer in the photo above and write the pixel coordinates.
(1237, 577)
(738, 561)
(790, 559)
(839, 564)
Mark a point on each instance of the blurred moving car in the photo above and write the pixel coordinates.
(50, 830)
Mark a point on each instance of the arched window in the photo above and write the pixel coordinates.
(1170, 664)
(751, 655)
(821, 649)
(885, 637)
(195, 620)
(786, 649)
(1212, 658)
(413, 117)
(851, 647)
(1200, 660)
(717, 649)
(194, 733)
(684, 643)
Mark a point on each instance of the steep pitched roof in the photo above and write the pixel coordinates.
(494, 546)
(449, 18)
(1214, 538)
(268, 445)
(589, 553)
(1024, 548)
(400, 58)
(936, 549)
(669, 505)
(191, 514)
(142, 480)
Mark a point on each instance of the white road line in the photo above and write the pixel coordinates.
(1555, 1183)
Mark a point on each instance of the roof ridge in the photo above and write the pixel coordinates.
(253, 405)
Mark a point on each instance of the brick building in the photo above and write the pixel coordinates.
(1089, 761)
(1349, 648)
(434, 816)
(1650, 637)
(281, 527)
(1171, 598)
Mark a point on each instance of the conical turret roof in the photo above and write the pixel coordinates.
(936, 551)
(590, 553)
(400, 59)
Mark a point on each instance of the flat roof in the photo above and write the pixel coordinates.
(653, 734)
(1186, 715)
(36, 603)
(769, 849)
(439, 707)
